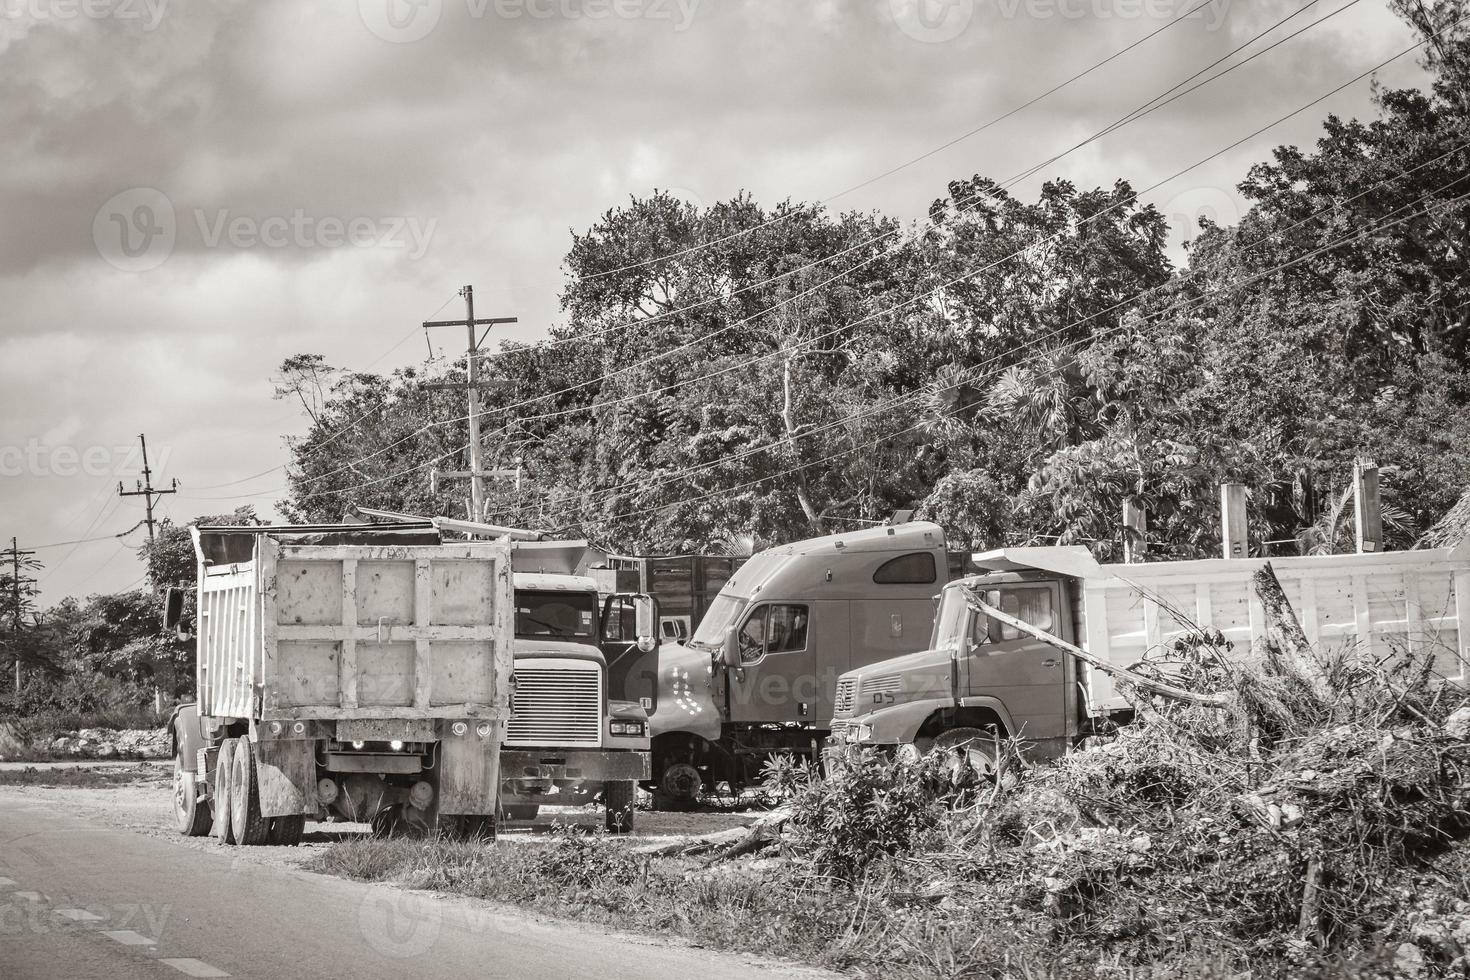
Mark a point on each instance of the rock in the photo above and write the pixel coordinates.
(1408, 961)
(1432, 933)
(1461, 935)
(105, 751)
(1457, 725)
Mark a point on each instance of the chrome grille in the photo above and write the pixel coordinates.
(846, 694)
(556, 702)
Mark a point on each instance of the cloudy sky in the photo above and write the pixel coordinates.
(192, 192)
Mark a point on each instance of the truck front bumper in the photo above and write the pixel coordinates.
(567, 776)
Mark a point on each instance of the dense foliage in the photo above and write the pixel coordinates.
(1013, 369)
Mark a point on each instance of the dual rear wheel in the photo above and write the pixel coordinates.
(234, 814)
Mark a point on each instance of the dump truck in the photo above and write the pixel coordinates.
(798, 616)
(362, 672)
(1028, 646)
(386, 696)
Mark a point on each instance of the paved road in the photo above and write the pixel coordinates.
(79, 899)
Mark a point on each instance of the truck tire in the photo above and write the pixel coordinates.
(618, 797)
(224, 765)
(286, 831)
(970, 752)
(679, 786)
(520, 811)
(245, 820)
(191, 814)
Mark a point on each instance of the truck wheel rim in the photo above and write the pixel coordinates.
(182, 786)
(681, 781)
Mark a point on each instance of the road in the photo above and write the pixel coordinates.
(81, 899)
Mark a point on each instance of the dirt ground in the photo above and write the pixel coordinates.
(137, 797)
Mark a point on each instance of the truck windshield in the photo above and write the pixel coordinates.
(951, 619)
(721, 613)
(560, 615)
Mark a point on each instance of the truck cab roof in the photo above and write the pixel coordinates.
(552, 582)
(850, 568)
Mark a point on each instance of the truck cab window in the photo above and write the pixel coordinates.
(753, 636)
(555, 615)
(773, 629)
(786, 629)
(915, 569)
(1033, 606)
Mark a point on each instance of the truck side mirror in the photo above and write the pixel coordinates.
(173, 608)
(731, 649)
(645, 617)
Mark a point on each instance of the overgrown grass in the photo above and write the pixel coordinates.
(1182, 848)
(885, 925)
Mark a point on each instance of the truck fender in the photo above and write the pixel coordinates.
(995, 705)
(186, 733)
(900, 723)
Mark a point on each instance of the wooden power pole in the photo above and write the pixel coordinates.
(1234, 539)
(145, 488)
(476, 472)
(18, 590)
(1367, 507)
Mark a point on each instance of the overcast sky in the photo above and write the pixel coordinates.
(191, 193)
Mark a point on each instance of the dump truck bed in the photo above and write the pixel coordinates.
(349, 631)
(1386, 603)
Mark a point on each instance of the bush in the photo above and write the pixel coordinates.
(867, 808)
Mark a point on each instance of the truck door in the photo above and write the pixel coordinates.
(1024, 673)
(632, 674)
(777, 678)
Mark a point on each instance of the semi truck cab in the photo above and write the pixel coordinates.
(567, 741)
(759, 674)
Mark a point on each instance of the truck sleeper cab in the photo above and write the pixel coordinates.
(759, 675)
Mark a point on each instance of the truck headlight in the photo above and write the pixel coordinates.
(626, 729)
(860, 732)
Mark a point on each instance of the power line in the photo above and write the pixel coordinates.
(1352, 236)
(583, 337)
(145, 488)
(597, 406)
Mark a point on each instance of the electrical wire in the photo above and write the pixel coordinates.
(597, 406)
(1352, 236)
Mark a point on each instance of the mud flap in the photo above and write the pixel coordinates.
(286, 775)
(469, 773)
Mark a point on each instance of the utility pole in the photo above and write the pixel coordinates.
(476, 473)
(19, 587)
(145, 488)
